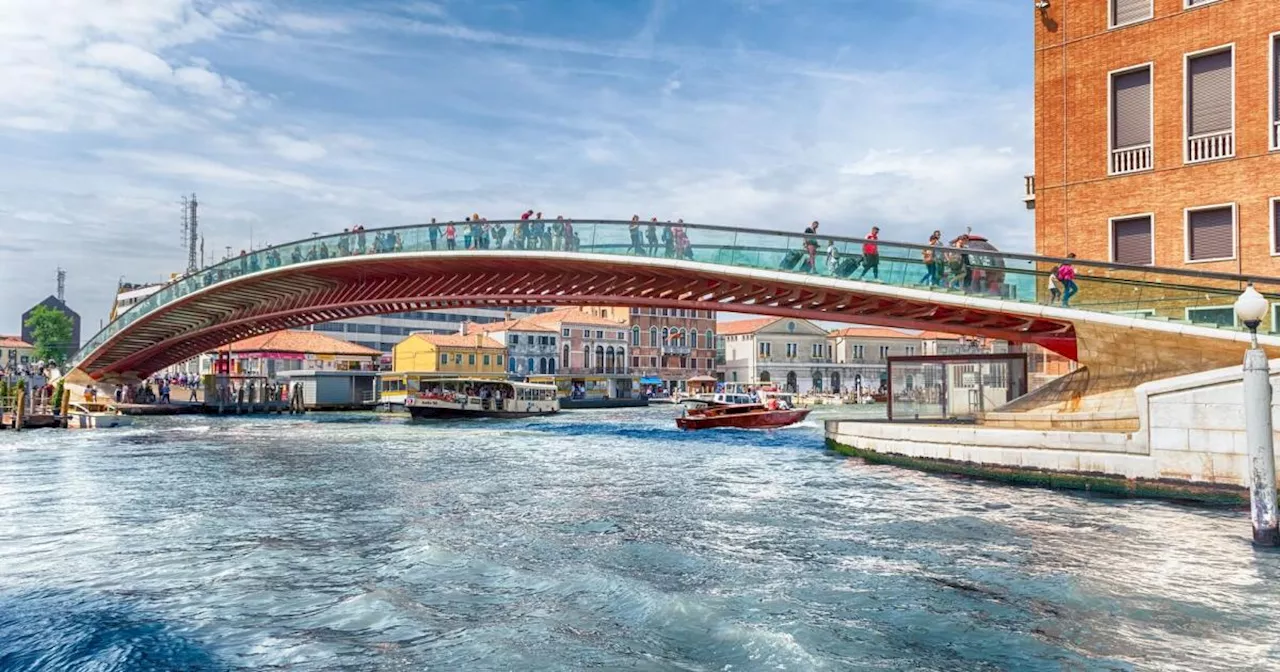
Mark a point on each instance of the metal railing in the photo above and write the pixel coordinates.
(1211, 146)
(1131, 159)
(1008, 275)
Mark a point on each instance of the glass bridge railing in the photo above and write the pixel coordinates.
(1148, 292)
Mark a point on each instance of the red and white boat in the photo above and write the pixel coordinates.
(743, 416)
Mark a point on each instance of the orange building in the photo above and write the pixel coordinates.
(1158, 132)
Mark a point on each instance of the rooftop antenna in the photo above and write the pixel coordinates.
(62, 285)
(193, 235)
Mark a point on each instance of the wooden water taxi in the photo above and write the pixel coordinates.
(481, 398)
(742, 416)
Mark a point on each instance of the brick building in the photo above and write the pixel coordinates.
(1157, 133)
(669, 346)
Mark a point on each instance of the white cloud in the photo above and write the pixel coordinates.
(291, 148)
(306, 23)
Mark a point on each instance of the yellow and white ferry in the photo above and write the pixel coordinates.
(481, 398)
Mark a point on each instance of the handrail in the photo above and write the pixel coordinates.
(786, 240)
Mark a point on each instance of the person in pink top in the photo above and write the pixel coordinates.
(1067, 276)
(871, 255)
(450, 236)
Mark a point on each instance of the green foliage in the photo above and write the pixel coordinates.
(57, 396)
(51, 331)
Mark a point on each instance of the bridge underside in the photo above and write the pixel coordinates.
(296, 296)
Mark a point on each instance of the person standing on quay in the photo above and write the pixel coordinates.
(871, 254)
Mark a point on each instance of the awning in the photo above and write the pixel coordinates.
(702, 379)
(650, 381)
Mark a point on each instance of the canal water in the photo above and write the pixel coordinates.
(590, 540)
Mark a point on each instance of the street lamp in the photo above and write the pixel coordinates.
(1251, 307)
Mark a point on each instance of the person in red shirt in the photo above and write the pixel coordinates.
(871, 254)
(450, 236)
(1067, 276)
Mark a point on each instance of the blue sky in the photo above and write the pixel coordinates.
(293, 117)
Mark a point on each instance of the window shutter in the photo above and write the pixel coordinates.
(1210, 234)
(1131, 241)
(1128, 11)
(1132, 108)
(1275, 230)
(1210, 81)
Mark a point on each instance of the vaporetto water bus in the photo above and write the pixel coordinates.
(481, 398)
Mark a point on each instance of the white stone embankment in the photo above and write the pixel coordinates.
(1191, 439)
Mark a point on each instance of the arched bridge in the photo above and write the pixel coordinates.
(1128, 324)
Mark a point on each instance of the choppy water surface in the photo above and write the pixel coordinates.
(604, 540)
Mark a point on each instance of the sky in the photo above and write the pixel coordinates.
(288, 118)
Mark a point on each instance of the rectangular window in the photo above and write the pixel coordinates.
(566, 333)
(486, 360)
(1125, 12)
(1275, 225)
(635, 362)
(528, 339)
(513, 339)
(552, 339)
(444, 358)
(792, 349)
(471, 360)
(1210, 106)
(653, 362)
(1219, 316)
(911, 351)
(499, 360)
(766, 348)
(884, 352)
(1211, 233)
(859, 351)
(457, 358)
(1131, 121)
(1275, 91)
(599, 334)
(1131, 240)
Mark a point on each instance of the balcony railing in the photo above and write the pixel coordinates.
(1029, 191)
(1131, 159)
(1211, 146)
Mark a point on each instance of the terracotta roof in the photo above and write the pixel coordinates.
(289, 340)
(460, 341)
(744, 326)
(574, 316)
(939, 336)
(872, 332)
(523, 324)
(13, 342)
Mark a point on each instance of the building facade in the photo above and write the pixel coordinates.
(793, 354)
(594, 353)
(471, 354)
(290, 350)
(1157, 133)
(532, 348)
(669, 346)
(15, 353)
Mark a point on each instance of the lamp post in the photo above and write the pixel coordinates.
(1251, 307)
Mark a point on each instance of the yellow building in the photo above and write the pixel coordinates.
(472, 354)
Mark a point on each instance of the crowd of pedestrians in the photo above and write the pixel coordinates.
(950, 265)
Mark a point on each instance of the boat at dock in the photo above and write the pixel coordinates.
(481, 398)
(95, 415)
(742, 416)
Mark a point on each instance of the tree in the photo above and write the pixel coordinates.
(51, 331)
